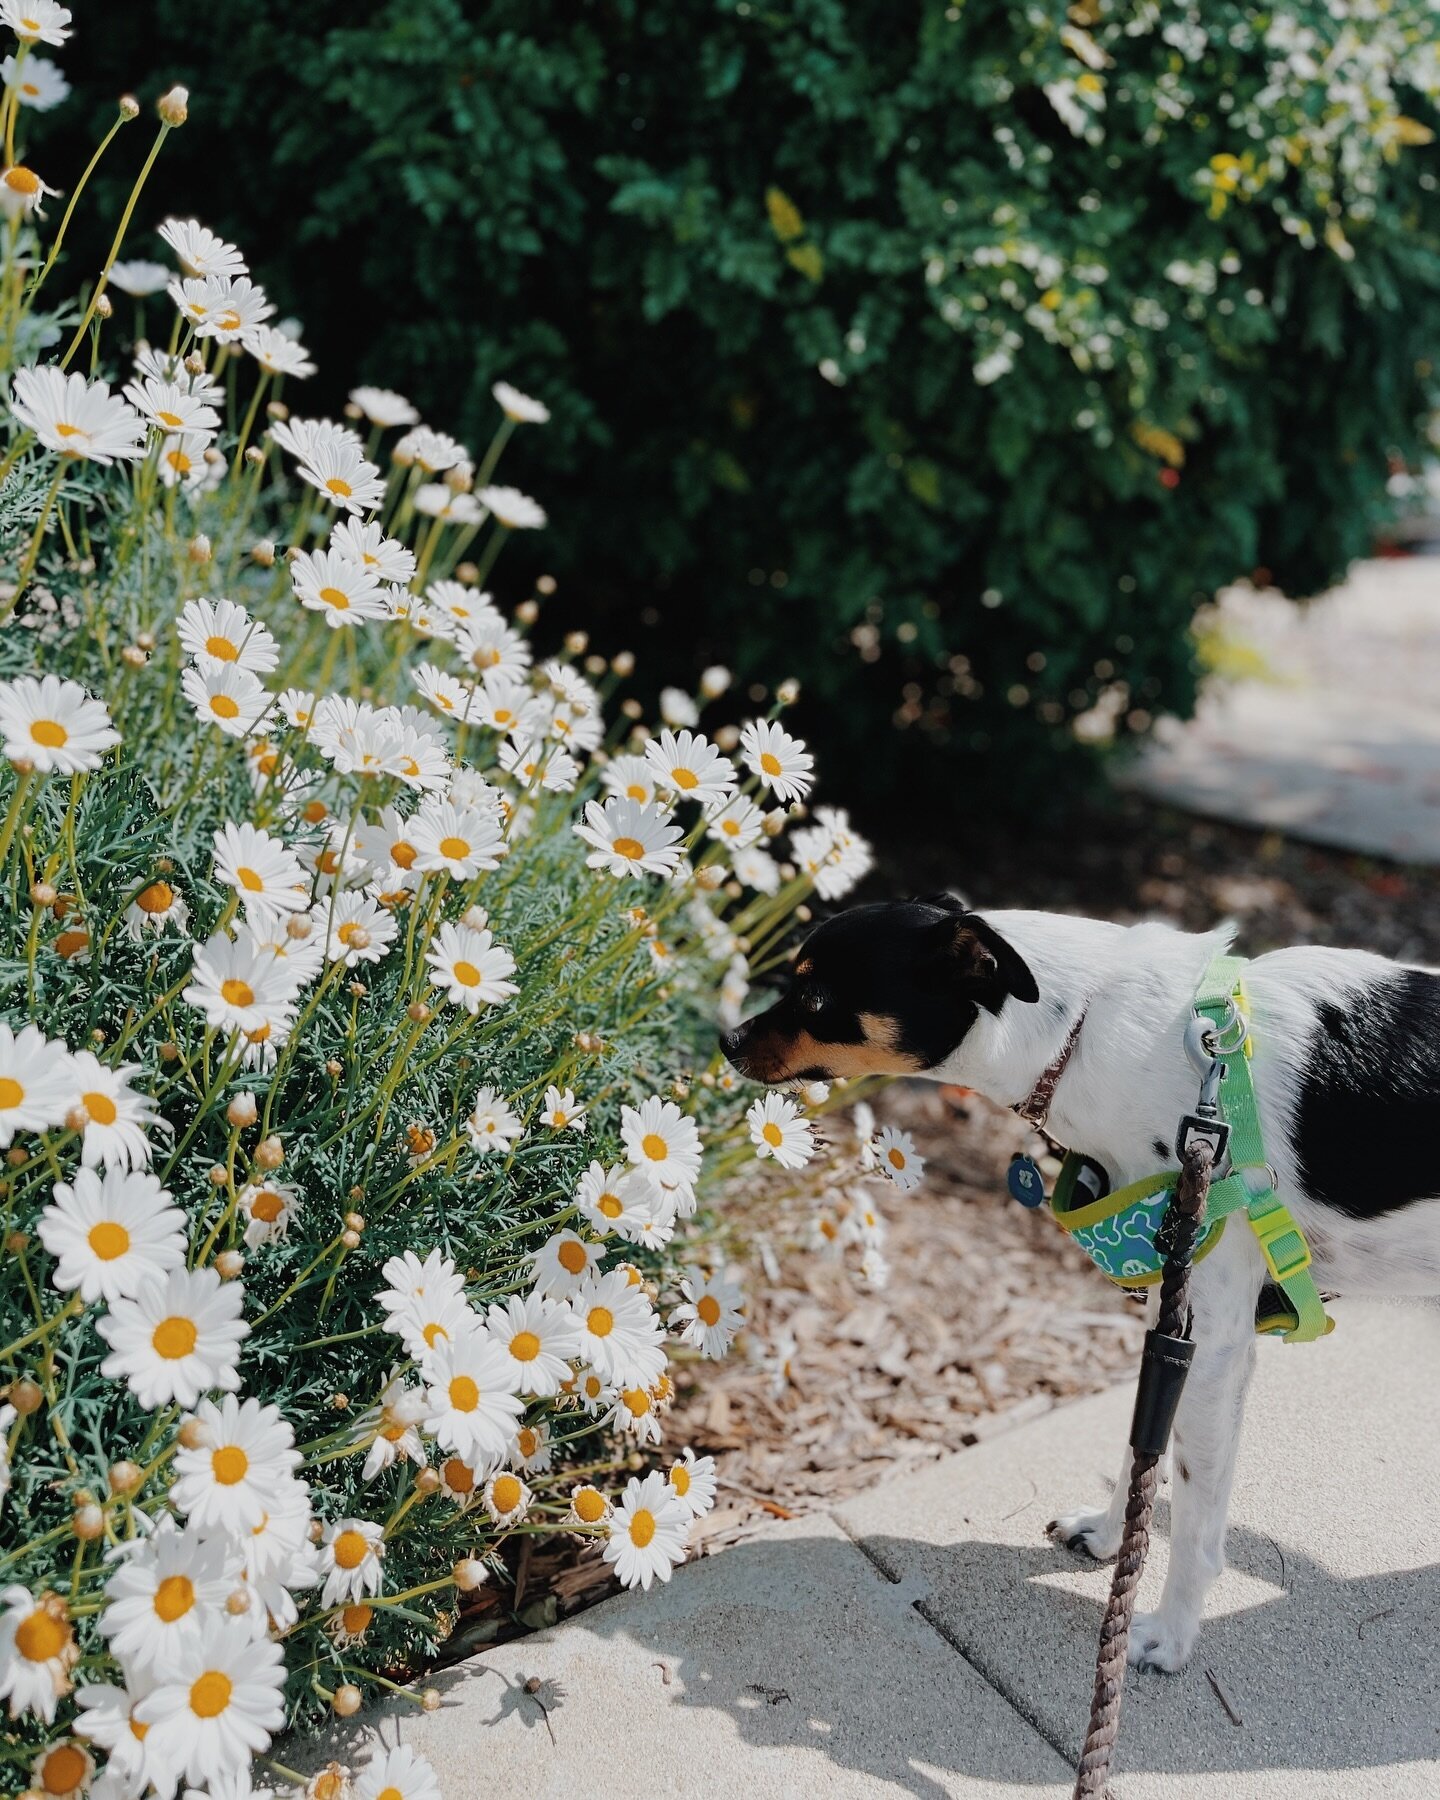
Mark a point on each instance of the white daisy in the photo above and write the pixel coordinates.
(357, 930)
(219, 631)
(350, 1554)
(491, 648)
(263, 871)
(426, 1325)
(106, 1716)
(224, 1484)
(178, 1336)
(539, 1337)
(588, 1506)
(737, 824)
(458, 1481)
(620, 1336)
(343, 476)
(199, 251)
(21, 194)
(396, 1774)
(897, 1158)
(562, 1111)
(778, 1130)
(473, 1404)
(37, 1652)
(692, 1480)
(756, 868)
(393, 1428)
(691, 767)
(647, 1532)
(607, 1197)
(434, 451)
(437, 501)
(224, 307)
(465, 605)
(383, 407)
(532, 1450)
(629, 839)
(451, 697)
(222, 1707)
(492, 1124)
(711, 1312)
(661, 1140)
(520, 407)
(111, 1234)
(184, 461)
(561, 1265)
(267, 1208)
(227, 696)
(300, 437)
(782, 762)
(139, 278)
(367, 544)
(506, 1498)
(470, 966)
(37, 1082)
(514, 510)
(165, 1590)
(170, 406)
(550, 767)
(462, 841)
(277, 352)
(409, 1280)
(634, 1412)
(54, 725)
(630, 776)
(343, 592)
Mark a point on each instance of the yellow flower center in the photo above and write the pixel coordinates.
(505, 1493)
(159, 897)
(895, 1158)
(611, 1205)
(350, 1549)
(707, 1309)
(464, 1394)
(174, 1597)
(769, 763)
(655, 1146)
(174, 1337)
(229, 1464)
(467, 974)
(63, 1770)
(337, 486)
(101, 1108)
(685, 778)
(237, 992)
(637, 793)
(11, 1092)
(637, 1402)
(49, 732)
(772, 1134)
(433, 1334)
(224, 707)
(571, 1256)
(731, 827)
(458, 1476)
(210, 1695)
(642, 1527)
(680, 1479)
(179, 461)
(525, 1346)
(403, 854)
(528, 1441)
(108, 1240)
(173, 420)
(24, 181)
(336, 597)
(221, 649)
(630, 848)
(456, 847)
(600, 1321)
(355, 1619)
(267, 1207)
(41, 1636)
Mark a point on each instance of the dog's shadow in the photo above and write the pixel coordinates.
(936, 1665)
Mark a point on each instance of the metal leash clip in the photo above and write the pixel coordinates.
(1204, 1045)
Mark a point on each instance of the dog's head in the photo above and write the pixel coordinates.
(889, 989)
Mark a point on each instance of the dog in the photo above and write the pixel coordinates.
(1346, 1068)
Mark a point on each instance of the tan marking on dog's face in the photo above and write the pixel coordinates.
(775, 1058)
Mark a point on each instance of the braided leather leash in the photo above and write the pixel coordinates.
(1167, 1351)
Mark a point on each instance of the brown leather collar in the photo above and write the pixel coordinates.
(1034, 1109)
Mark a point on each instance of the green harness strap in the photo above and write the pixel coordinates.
(1282, 1243)
(1118, 1231)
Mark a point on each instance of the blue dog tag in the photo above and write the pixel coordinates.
(1025, 1181)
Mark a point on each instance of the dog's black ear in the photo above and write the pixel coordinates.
(983, 960)
(947, 902)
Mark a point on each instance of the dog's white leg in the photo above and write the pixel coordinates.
(1207, 1435)
(1096, 1529)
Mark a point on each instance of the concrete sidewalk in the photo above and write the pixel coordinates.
(927, 1640)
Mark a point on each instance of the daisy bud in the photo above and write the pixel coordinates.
(358, 988)
(103, 308)
(680, 1088)
(174, 107)
(88, 1522)
(18, 1242)
(125, 1476)
(263, 553)
(707, 1080)
(359, 938)
(773, 824)
(334, 1068)
(527, 612)
(242, 1110)
(804, 914)
(430, 1700)
(709, 878)
(192, 1435)
(229, 1264)
(315, 1530)
(623, 663)
(43, 894)
(194, 363)
(350, 1239)
(339, 1403)
(277, 409)
(254, 456)
(418, 1011)
(469, 1573)
(332, 1783)
(788, 691)
(460, 479)
(595, 665)
(77, 1118)
(129, 107)
(347, 1700)
(546, 585)
(576, 641)
(134, 657)
(237, 1604)
(355, 1221)
(22, 765)
(219, 1175)
(169, 1052)
(25, 1396)
(16, 1156)
(298, 927)
(427, 1481)
(357, 1192)
(632, 709)
(146, 641)
(199, 548)
(97, 1036)
(269, 1153)
(714, 681)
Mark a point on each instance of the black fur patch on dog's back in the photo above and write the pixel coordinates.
(1367, 1128)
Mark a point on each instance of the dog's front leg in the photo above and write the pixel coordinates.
(1207, 1434)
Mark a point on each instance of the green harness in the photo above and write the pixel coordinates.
(1118, 1232)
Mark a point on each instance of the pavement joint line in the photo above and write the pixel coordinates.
(1066, 1752)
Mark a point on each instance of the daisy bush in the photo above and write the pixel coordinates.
(360, 956)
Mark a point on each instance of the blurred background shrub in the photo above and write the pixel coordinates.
(945, 357)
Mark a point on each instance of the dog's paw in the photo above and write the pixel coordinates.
(1156, 1644)
(1088, 1529)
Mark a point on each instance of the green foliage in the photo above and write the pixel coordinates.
(858, 324)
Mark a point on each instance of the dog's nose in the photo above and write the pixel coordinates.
(732, 1045)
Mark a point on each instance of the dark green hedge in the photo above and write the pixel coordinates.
(754, 255)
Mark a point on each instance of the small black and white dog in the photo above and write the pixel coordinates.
(1347, 1074)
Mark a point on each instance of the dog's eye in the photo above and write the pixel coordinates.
(812, 998)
